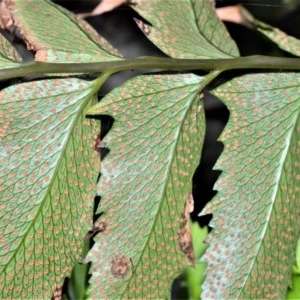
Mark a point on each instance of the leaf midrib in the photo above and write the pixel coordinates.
(61, 11)
(272, 207)
(165, 184)
(201, 32)
(46, 194)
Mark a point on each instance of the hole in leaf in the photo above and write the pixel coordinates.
(96, 204)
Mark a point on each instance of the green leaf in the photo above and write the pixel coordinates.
(59, 36)
(294, 289)
(9, 57)
(47, 176)
(280, 38)
(296, 267)
(194, 276)
(256, 211)
(154, 147)
(77, 284)
(186, 29)
(294, 292)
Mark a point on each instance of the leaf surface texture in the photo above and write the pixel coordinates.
(58, 35)
(256, 211)
(9, 57)
(154, 147)
(281, 39)
(186, 29)
(47, 176)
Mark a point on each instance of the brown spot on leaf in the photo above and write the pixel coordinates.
(184, 232)
(120, 266)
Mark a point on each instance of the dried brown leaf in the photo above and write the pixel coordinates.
(6, 20)
(103, 6)
(232, 14)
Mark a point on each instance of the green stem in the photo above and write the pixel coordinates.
(249, 62)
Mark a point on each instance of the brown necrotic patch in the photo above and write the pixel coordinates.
(120, 266)
(98, 227)
(184, 232)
